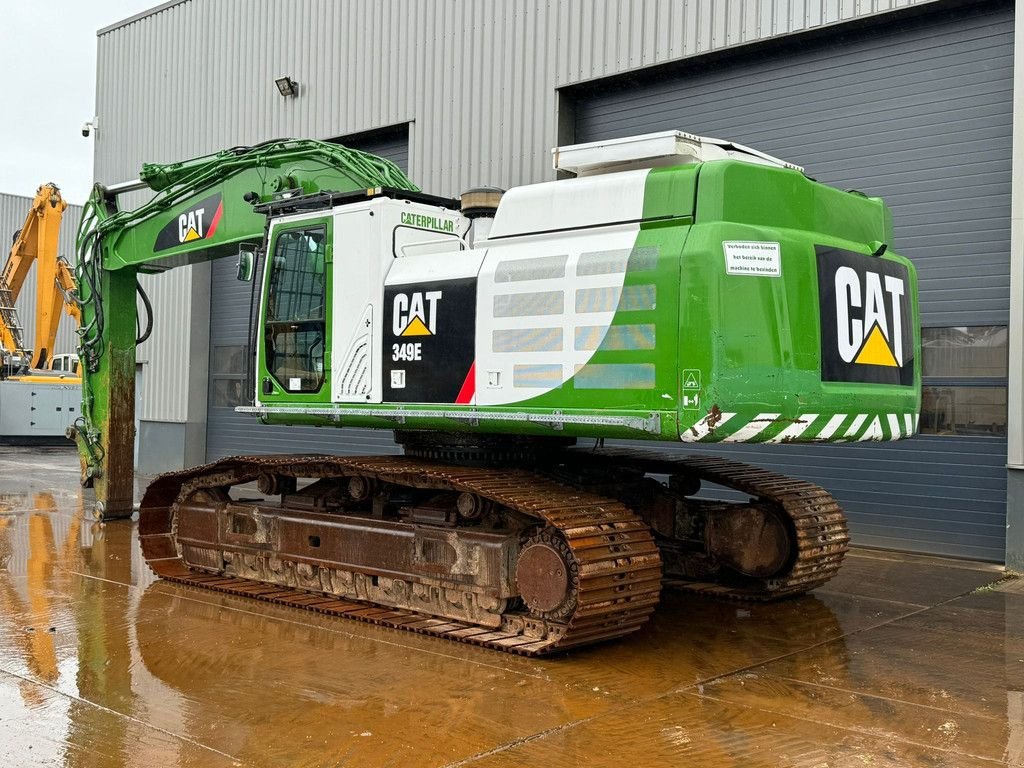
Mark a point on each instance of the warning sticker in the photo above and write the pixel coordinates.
(690, 380)
(753, 258)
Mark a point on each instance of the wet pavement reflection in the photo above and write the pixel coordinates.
(900, 661)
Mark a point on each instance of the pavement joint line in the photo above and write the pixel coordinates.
(97, 578)
(114, 712)
(850, 729)
(504, 747)
(837, 593)
(691, 687)
(879, 697)
(343, 633)
(911, 558)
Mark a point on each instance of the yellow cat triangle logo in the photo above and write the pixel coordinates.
(191, 235)
(876, 350)
(416, 328)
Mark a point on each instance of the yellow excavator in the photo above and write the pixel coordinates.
(38, 388)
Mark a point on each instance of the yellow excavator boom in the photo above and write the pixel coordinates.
(36, 242)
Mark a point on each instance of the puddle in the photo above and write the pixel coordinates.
(102, 666)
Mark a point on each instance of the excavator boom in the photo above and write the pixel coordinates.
(203, 209)
(36, 243)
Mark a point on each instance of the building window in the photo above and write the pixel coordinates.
(227, 376)
(964, 373)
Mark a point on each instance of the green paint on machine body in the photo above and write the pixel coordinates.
(738, 354)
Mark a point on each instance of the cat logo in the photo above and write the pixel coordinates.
(865, 322)
(198, 222)
(876, 338)
(190, 225)
(415, 314)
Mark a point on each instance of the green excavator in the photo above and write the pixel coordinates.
(678, 289)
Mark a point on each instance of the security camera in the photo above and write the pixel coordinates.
(88, 127)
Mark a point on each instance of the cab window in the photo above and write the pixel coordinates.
(295, 320)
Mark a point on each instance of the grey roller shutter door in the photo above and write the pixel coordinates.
(393, 146)
(917, 111)
(229, 433)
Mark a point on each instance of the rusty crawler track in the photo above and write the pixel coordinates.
(616, 567)
(817, 522)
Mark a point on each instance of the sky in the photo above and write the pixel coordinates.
(48, 61)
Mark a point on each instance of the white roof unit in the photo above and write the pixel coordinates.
(653, 150)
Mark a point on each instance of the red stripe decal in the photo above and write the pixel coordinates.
(468, 390)
(216, 220)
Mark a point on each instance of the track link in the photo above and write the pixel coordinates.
(817, 523)
(616, 568)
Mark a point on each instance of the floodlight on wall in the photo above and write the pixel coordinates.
(286, 86)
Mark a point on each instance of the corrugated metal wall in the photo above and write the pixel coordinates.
(920, 114)
(13, 210)
(478, 81)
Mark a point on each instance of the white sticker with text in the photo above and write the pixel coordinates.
(753, 258)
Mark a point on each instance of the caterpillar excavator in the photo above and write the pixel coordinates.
(39, 389)
(679, 289)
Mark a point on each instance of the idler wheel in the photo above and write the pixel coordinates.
(750, 538)
(547, 576)
(274, 485)
(361, 488)
(470, 506)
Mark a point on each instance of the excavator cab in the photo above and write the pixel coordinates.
(325, 282)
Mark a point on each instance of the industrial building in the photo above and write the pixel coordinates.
(13, 210)
(910, 100)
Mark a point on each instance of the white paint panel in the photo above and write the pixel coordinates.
(496, 372)
(571, 204)
(450, 265)
(360, 264)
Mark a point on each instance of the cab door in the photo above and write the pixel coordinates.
(294, 348)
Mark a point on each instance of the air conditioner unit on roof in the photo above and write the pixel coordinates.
(654, 150)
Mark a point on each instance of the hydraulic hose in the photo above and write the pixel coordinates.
(149, 314)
